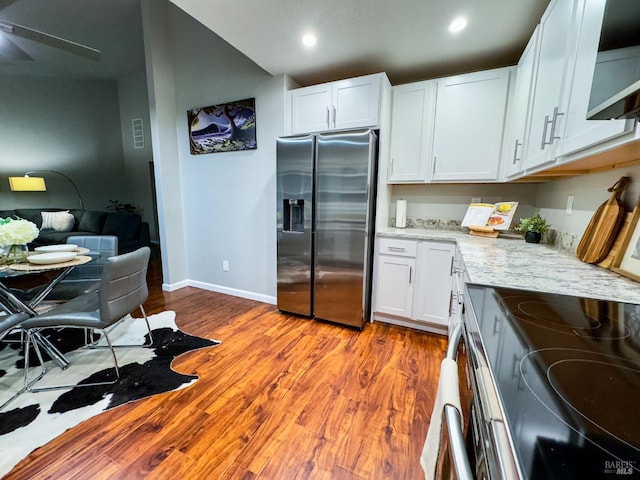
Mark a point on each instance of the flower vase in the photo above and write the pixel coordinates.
(13, 254)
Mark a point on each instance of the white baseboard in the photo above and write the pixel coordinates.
(220, 289)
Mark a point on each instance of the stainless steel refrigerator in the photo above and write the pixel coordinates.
(326, 189)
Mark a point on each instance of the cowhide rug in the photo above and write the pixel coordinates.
(34, 419)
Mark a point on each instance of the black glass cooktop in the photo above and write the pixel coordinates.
(568, 375)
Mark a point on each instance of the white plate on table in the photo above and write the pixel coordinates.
(53, 257)
(63, 247)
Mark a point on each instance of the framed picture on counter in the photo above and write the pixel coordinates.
(627, 260)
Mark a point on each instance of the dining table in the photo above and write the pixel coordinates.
(11, 301)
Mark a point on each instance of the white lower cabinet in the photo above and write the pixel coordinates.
(413, 285)
(432, 296)
(395, 285)
(395, 274)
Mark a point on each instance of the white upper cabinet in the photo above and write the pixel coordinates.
(548, 117)
(411, 132)
(579, 132)
(311, 108)
(341, 105)
(469, 126)
(519, 107)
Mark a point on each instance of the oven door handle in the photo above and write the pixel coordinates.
(453, 418)
(456, 443)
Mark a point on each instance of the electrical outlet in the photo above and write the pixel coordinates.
(570, 204)
(476, 200)
(225, 265)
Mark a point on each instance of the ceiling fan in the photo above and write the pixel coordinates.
(9, 51)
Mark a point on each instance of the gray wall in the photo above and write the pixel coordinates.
(134, 103)
(226, 200)
(65, 125)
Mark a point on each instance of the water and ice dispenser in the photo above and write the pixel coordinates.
(293, 210)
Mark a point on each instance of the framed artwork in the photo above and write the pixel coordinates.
(627, 261)
(228, 127)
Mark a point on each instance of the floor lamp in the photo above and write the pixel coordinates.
(37, 184)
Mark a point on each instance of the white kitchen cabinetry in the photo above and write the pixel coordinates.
(469, 125)
(414, 283)
(341, 105)
(579, 132)
(411, 132)
(432, 297)
(557, 31)
(395, 274)
(519, 106)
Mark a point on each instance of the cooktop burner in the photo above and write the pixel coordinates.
(582, 317)
(567, 371)
(607, 414)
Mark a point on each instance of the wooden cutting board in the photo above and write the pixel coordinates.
(600, 234)
(615, 249)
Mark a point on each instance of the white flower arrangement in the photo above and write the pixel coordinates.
(17, 231)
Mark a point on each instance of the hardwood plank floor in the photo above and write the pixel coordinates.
(281, 398)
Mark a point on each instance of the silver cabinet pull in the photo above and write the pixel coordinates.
(410, 272)
(328, 124)
(554, 124)
(515, 152)
(335, 116)
(544, 132)
(397, 249)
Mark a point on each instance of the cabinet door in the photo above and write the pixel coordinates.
(432, 296)
(394, 285)
(311, 108)
(356, 102)
(411, 132)
(579, 132)
(547, 120)
(519, 108)
(469, 123)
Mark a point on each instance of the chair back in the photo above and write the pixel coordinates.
(106, 245)
(123, 287)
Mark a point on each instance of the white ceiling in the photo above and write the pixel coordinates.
(408, 39)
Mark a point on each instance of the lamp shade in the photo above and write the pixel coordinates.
(27, 184)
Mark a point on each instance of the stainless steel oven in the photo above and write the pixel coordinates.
(476, 443)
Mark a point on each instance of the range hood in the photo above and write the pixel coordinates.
(615, 90)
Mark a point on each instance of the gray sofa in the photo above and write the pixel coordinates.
(131, 231)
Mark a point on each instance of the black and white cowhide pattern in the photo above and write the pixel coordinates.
(33, 419)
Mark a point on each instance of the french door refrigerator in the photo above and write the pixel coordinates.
(326, 188)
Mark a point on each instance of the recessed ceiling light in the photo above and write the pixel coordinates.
(458, 24)
(309, 40)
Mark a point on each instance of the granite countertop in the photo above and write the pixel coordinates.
(508, 261)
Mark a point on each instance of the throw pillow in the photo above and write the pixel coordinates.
(63, 222)
(47, 220)
(92, 221)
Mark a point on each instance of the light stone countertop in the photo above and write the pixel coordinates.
(508, 261)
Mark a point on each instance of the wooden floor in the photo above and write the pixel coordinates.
(281, 398)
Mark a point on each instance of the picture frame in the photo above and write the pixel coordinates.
(627, 260)
(227, 127)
